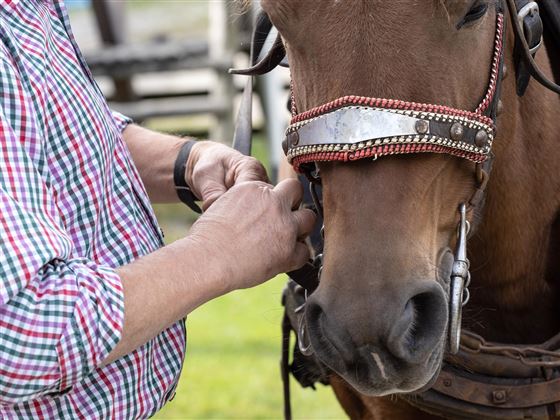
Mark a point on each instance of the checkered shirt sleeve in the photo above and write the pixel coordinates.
(73, 207)
(60, 315)
(122, 121)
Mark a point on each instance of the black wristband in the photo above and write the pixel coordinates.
(184, 192)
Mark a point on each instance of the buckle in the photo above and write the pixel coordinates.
(530, 9)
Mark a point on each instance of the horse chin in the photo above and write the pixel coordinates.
(409, 380)
(373, 372)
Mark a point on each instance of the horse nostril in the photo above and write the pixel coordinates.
(420, 327)
(326, 336)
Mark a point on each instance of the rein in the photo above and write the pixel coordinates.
(478, 378)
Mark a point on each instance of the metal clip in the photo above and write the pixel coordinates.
(303, 339)
(530, 9)
(460, 279)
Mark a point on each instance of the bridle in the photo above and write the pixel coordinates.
(355, 127)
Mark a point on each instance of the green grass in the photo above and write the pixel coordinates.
(232, 365)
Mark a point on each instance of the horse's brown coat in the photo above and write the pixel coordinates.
(388, 222)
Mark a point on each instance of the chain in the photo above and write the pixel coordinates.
(527, 355)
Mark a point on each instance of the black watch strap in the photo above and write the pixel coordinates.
(184, 192)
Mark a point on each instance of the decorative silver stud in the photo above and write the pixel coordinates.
(422, 126)
(293, 138)
(504, 72)
(481, 138)
(457, 131)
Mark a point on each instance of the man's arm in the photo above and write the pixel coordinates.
(212, 168)
(154, 156)
(62, 315)
(248, 236)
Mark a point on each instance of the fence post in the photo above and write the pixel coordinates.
(222, 46)
(110, 18)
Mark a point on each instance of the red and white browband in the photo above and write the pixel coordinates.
(356, 127)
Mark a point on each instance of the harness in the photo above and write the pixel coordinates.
(478, 379)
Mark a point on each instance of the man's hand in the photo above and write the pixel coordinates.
(257, 231)
(253, 232)
(213, 168)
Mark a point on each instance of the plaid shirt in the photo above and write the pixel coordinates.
(72, 208)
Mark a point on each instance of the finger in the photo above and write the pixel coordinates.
(250, 169)
(291, 191)
(301, 256)
(211, 191)
(305, 220)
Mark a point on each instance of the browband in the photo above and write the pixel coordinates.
(353, 131)
(357, 127)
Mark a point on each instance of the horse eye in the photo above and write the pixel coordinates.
(474, 14)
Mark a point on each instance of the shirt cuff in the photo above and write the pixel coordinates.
(121, 121)
(96, 326)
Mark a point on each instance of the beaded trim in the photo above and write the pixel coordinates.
(298, 155)
(388, 146)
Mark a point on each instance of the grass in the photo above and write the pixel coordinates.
(233, 352)
(232, 364)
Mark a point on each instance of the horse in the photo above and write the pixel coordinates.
(396, 214)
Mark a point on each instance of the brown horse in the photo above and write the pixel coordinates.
(378, 318)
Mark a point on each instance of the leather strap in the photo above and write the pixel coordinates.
(522, 395)
(263, 63)
(306, 276)
(532, 33)
(525, 48)
(184, 191)
(285, 362)
(243, 134)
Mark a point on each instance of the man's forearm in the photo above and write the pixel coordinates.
(162, 288)
(154, 155)
(249, 235)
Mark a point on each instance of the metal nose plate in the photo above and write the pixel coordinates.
(356, 124)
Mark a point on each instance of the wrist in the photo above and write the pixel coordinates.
(194, 156)
(182, 187)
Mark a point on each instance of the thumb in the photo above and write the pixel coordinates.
(210, 192)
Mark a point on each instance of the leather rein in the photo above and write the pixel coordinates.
(478, 378)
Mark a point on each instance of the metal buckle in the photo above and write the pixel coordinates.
(530, 9)
(460, 279)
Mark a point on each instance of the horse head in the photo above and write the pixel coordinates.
(380, 313)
